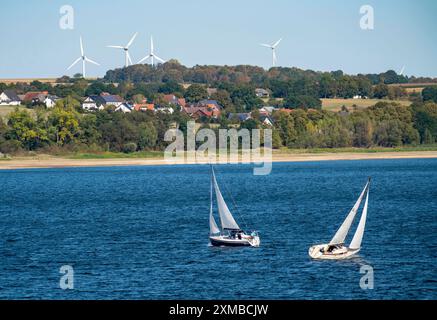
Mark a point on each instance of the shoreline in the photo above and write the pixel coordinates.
(59, 162)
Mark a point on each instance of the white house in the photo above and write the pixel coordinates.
(266, 120)
(10, 98)
(267, 110)
(92, 103)
(50, 101)
(168, 110)
(262, 93)
(124, 107)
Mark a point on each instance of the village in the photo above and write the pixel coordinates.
(205, 110)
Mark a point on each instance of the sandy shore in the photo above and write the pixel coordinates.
(53, 162)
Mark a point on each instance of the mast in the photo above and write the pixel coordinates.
(213, 229)
(358, 236)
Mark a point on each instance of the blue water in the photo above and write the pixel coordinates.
(142, 232)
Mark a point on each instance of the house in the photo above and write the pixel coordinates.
(359, 97)
(102, 101)
(267, 110)
(239, 116)
(168, 110)
(50, 101)
(10, 98)
(172, 99)
(213, 104)
(266, 120)
(35, 97)
(93, 103)
(144, 106)
(112, 100)
(197, 111)
(124, 107)
(262, 93)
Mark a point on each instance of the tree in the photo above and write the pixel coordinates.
(303, 102)
(23, 128)
(430, 94)
(64, 124)
(380, 91)
(148, 136)
(195, 93)
(425, 121)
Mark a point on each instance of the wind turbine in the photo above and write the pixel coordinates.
(273, 47)
(83, 58)
(151, 55)
(128, 60)
(401, 73)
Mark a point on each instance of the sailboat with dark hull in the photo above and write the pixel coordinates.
(336, 249)
(230, 234)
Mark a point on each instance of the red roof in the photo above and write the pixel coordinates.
(29, 96)
(144, 106)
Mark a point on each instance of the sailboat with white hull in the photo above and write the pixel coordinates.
(230, 233)
(336, 250)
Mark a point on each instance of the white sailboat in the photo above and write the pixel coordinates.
(336, 249)
(230, 233)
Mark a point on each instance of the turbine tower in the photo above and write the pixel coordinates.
(273, 48)
(152, 55)
(127, 58)
(84, 60)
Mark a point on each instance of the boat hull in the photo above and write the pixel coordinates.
(220, 241)
(341, 254)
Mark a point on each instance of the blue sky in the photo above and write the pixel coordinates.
(319, 34)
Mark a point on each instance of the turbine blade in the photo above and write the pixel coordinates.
(81, 46)
(145, 58)
(401, 73)
(151, 44)
(73, 64)
(158, 58)
(91, 61)
(131, 40)
(265, 45)
(276, 43)
(116, 47)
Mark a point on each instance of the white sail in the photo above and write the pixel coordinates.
(213, 229)
(226, 218)
(358, 236)
(344, 228)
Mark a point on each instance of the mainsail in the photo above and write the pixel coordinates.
(342, 232)
(358, 236)
(226, 218)
(213, 229)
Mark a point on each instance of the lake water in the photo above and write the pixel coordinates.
(142, 232)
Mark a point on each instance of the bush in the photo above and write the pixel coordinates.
(10, 147)
(130, 147)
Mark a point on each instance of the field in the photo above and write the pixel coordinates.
(5, 110)
(336, 104)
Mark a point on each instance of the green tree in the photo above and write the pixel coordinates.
(23, 128)
(64, 124)
(195, 93)
(430, 94)
(148, 136)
